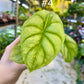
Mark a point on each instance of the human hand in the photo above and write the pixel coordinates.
(9, 70)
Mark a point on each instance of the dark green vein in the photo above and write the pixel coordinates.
(29, 52)
(47, 21)
(32, 25)
(40, 17)
(54, 34)
(38, 47)
(70, 48)
(55, 22)
(31, 36)
(44, 52)
(52, 23)
(36, 54)
(50, 42)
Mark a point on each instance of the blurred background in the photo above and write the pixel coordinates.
(13, 13)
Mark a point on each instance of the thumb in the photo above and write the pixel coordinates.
(19, 66)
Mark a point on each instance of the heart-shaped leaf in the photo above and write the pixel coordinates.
(69, 49)
(42, 38)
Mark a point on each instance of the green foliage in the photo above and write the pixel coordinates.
(7, 12)
(82, 49)
(69, 49)
(42, 38)
(73, 8)
(22, 13)
(80, 54)
(22, 10)
(23, 17)
(77, 67)
(5, 39)
(17, 54)
(77, 8)
(80, 61)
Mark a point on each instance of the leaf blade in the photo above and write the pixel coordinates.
(16, 55)
(42, 48)
(69, 49)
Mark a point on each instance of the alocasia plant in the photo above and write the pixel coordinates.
(42, 38)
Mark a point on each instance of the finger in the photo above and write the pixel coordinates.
(19, 66)
(8, 49)
(11, 46)
(23, 66)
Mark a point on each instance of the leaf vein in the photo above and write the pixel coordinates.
(40, 17)
(31, 36)
(54, 34)
(44, 52)
(50, 42)
(29, 51)
(34, 26)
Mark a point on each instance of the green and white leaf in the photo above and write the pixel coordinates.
(69, 49)
(42, 38)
